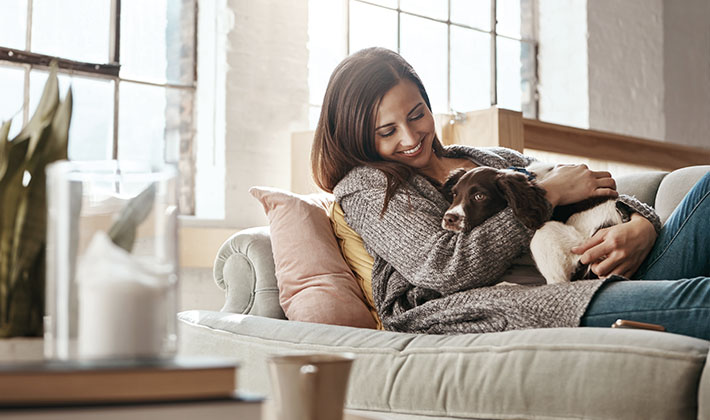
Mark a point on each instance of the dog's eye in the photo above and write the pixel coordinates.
(479, 196)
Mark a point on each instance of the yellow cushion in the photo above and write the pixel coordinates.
(355, 255)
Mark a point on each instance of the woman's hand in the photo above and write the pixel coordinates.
(618, 249)
(567, 184)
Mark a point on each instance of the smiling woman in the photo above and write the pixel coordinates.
(376, 149)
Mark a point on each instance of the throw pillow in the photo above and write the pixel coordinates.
(315, 284)
(358, 259)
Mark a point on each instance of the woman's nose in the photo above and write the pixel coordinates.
(409, 136)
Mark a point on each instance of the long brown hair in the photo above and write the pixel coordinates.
(345, 134)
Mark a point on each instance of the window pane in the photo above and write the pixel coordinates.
(91, 129)
(424, 46)
(326, 44)
(12, 86)
(508, 15)
(388, 3)
(470, 70)
(476, 13)
(509, 83)
(157, 40)
(141, 122)
(74, 29)
(437, 9)
(372, 26)
(13, 24)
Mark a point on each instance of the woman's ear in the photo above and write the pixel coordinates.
(525, 198)
(453, 178)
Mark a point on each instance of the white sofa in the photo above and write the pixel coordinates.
(591, 373)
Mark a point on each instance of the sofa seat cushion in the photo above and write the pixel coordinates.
(532, 374)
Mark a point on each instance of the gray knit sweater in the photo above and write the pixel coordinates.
(429, 280)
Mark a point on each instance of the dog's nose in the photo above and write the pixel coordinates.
(451, 218)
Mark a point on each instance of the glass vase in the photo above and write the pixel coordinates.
(112, 265)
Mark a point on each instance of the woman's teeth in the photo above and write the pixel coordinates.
(412, 151)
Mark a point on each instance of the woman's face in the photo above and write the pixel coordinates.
(404, 129)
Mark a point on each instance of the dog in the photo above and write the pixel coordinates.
(479, 193)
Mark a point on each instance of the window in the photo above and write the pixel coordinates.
(132, 68)
(470, 54)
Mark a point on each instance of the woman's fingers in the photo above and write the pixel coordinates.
(606, 182)
(587, 245)
(609, 265)
(605, 192)
(601, 174)
(596, 253)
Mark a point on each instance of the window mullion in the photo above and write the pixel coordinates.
(114, 46)
(448, 59)
(494, 55)
(399, 27)
(115, 57)
(114, 145)
(28, 45)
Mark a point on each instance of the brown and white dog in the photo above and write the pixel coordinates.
(479, 193)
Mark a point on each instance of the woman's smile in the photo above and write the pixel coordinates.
(414, 151)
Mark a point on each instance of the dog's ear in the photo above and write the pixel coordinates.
(525, 198)
(453, 178)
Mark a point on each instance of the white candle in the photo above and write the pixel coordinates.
(123, 304)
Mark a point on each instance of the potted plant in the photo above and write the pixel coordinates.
(23, 211)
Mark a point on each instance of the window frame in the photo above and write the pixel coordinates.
(527, 26)
(28, 60)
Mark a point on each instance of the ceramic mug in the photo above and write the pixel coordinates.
(310, 386)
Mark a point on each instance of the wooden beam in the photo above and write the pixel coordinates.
(486, 128)
(612, 147)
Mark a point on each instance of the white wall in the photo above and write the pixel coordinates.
(686, 53)
(266, 99)
(647, 65)
(625, 47)
(563, 62)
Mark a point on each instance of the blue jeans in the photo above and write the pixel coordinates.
(675, 290)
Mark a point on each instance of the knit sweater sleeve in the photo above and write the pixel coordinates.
(410, 238)
(629, 205)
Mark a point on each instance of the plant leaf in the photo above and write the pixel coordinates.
(44, 113)
(4, 131)
(57, 146)
(31, 218)
(123, 231)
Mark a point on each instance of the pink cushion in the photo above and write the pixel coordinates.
(315, 283)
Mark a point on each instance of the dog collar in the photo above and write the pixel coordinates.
(531, 176)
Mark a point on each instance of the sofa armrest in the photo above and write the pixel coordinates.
(244, 268)
(675, 186)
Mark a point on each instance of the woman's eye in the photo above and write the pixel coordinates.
(387, 134)
(479, 196)
(418, 116)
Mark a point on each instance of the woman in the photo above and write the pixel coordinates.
(376, 149)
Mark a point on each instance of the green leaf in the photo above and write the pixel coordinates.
(31, 220)
(4, 131)
(123, 231)
(23, 217)
(44, 114)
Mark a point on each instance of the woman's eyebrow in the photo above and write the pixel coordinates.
(408, 114)
(414, 109)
